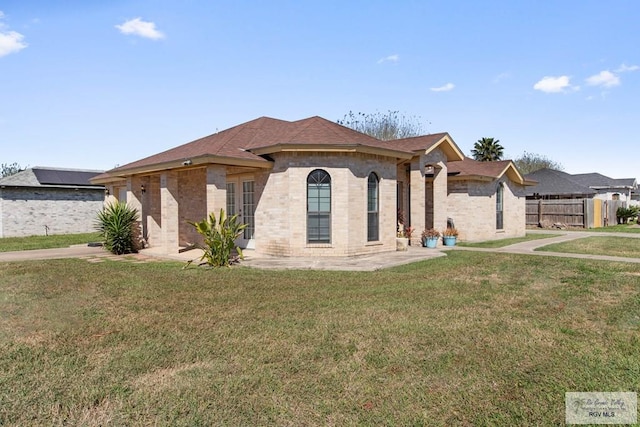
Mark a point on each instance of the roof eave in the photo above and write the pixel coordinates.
(186, 163)
(471, 177)
(64, 187)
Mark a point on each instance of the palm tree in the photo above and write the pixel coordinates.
(487, 150)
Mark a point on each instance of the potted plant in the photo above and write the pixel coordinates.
(401, 240)
(449, 236)
(408, 232)
(430, 238)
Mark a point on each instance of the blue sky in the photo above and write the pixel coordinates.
(94, 84)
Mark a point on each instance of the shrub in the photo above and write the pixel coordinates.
(219, 238)
(117, 224)
(625, 214)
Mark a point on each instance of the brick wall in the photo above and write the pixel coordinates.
(192, 203)
(26, 211)
(472, 206)
(281, 215)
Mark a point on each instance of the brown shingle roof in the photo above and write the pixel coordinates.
(238, 141)
(469, 166)
(247, 141)
(494, 170)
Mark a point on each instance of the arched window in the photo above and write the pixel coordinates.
(373, 206)
(318, 207)
(500, 207)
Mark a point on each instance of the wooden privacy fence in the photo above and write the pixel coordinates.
(585, 213)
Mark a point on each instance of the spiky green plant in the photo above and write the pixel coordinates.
(117, 224)
(219, 238)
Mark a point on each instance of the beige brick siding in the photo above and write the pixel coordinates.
(472, 206)
(192, 203)
(174, 198)
(151, 204)
(281, 217)
(28, 211)
(169, 208)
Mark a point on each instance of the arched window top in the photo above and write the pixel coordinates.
(319, 176)
(373, 177)
(319, 207)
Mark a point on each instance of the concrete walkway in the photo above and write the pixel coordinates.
(529, 247)
(354, 263)
(75, 251)
(357, 263)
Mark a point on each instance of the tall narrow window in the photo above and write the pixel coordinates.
(318, 207)
(373, 203)
(248, 209)
(500, 206)
(231, 198)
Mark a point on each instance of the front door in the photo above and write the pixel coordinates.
(241, 201)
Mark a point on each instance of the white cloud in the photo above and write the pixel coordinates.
(141, 28)
(10, 41)
(445, 88)
(390, 58)
(624, 68)
(500, 77)
(550, 84)
(604, 78)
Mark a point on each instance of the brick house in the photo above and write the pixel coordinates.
(315, 188)
(40, 201)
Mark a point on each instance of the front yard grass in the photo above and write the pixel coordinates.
(618, 228)
(8, 244)
(598, 245)
(468, 339)
(506, 242)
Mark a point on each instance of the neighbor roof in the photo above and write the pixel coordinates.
(51, 177)
(555, 182)
(245, 144)
(599, 181)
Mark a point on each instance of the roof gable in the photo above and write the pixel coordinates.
(428, 143)
(470, 168)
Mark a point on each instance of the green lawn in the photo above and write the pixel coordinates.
(598, 245)
(618, 228)
(46, 242)
(506, 242)
(469, 339)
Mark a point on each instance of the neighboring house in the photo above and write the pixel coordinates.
(40, 201)
(554, 184)
(315, 188)
(608, 188)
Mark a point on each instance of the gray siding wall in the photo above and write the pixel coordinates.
(26, 211)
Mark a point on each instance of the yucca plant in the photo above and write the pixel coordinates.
(219, 238)
(117, 224)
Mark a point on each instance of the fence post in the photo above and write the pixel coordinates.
(586, 217)
(539, 211)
